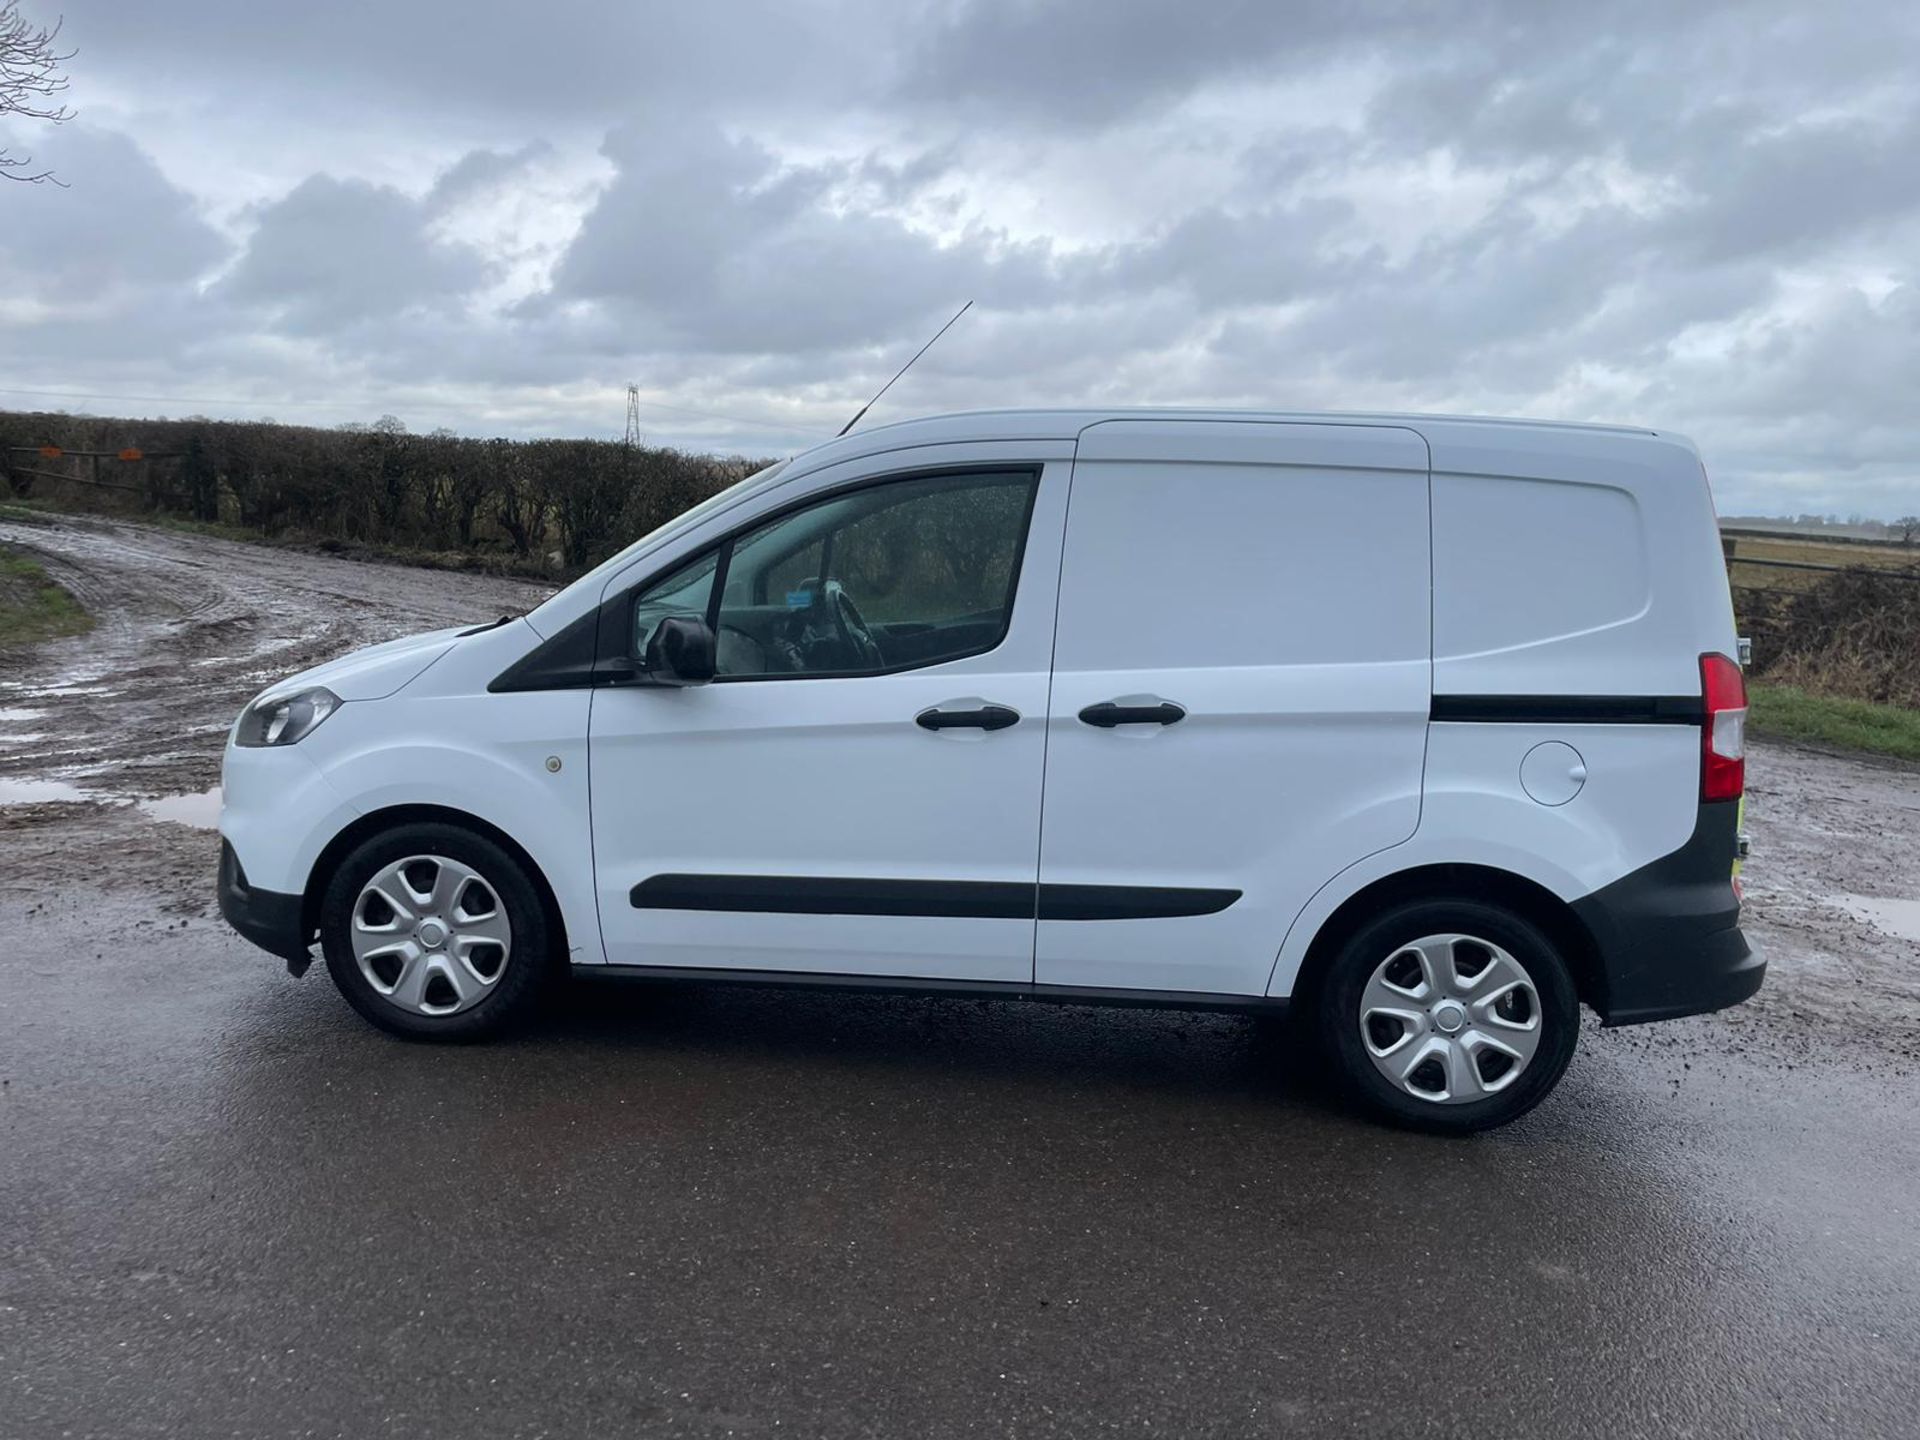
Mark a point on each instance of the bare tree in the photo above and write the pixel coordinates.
(30, 82)
(1908, 528)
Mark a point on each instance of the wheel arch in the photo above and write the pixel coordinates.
(391, 817)
(1458, 881)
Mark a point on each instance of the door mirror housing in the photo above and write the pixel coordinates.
(680, 652)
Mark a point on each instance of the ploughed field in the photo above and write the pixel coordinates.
(234, 1208)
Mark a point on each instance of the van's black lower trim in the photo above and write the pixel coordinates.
(813, 895)
(1715, 971)
(268, 918)
(1130, 902)
(966, 899)
(1668, 935)
(958, 989)
(1570, 709)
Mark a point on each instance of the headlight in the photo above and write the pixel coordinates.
(285, 719)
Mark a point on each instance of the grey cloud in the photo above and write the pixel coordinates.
(479, 171)
(119, 225)
(1846, 180)
(707, 244)
(483, 60)
(336, 252)
(1221, 257)
(101, 278)
(1631, 210)
(1089, 61)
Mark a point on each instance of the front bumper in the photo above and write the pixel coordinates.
(271, 920)
(1667, 937)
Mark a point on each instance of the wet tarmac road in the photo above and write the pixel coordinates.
(233, 1209)
(228, 1207)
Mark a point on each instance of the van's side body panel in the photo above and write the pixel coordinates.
(1637, 804)
(1271, 580)
(810, 824)
(1578, 572)
(446, 741)
(1572, 563)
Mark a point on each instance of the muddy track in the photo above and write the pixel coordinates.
(187, 628)
(1833, 894)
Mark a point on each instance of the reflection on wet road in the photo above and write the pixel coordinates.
(233, 1208)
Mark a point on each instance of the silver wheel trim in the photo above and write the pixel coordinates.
(453, 929)
(1461, 1021)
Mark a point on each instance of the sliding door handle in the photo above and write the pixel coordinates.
(1108, 714)
(985, 717)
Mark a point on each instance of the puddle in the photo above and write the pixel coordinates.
(37, 792)
(1895, 917)
(200, 811)
(14, 714)
(11, 737)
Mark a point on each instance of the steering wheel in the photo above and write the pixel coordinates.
(853, 627)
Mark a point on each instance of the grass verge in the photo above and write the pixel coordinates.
(32, 607)
(1787, 713)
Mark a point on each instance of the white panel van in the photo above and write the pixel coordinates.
(1429, 729)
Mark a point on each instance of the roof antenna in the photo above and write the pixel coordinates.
(906, 367)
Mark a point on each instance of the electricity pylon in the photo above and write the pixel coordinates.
(634, 436)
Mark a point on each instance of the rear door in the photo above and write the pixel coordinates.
(1242, 680)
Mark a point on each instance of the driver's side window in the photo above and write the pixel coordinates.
(885, 577)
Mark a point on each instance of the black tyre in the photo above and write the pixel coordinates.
(1449, 1016)
(434, 932)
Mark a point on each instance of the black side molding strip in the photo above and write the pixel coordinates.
(817, 895)
(1130, 902)
(1571, 709)
(955, 989)
(967, 899)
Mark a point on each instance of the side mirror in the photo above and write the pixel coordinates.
(680, 652)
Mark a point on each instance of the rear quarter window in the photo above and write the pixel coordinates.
(1527, 562)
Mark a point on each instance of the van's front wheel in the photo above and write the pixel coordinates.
(434, 932)
(1450, 1016)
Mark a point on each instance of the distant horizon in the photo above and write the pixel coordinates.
(1823, 522)
(1828, 519)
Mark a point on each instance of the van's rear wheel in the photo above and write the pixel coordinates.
(1450, 1016)
(433, 931)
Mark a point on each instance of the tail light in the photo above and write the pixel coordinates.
(1723, 731)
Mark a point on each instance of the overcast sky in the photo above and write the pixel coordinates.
(493, 217)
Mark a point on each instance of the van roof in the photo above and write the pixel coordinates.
(1456, 444)
(1065, 424)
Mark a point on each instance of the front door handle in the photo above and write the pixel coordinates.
(986, 717)
(1108, 714)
